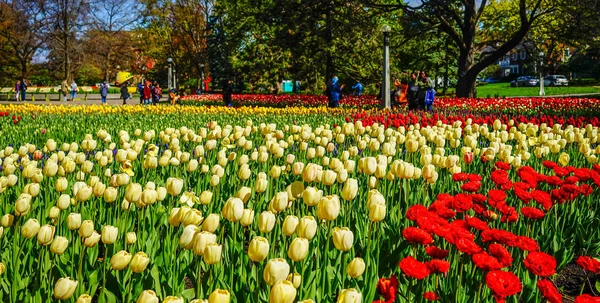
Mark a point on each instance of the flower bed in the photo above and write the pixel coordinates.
(258, 204)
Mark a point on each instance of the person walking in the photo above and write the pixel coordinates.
(103, 92)
(140, 89)
(124, 93)
(156, 93)
(23, 88)
(227, 91)
(336, 92)
(74, 90)
(412, 92)
(64, 88)
(424, 84)
(358, 88)
(18, 91)
(147, 91)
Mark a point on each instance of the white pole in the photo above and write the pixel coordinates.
(542, 93)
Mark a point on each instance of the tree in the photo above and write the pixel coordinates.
(20, 23)
(462, 22)
(109, 36)
(67, 20)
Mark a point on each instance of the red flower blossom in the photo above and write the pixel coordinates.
(431, 296)
(585, 298)
(496, 195)
(549, 164)
(415, 211)
(499, 177)
(471, 186)
(532, 213)
(459, 177)
(467, 246)
(417, 236)
(502, 165)
(540, 264)
(435, 252)
(553, 180)
(474, 178)
(484, 261)
(478, 198)
(527, 244)
(499, 252)
(589, 264)
(543, 198)
(438, 266)
(388, 288)
(549, 291)
(500, 236)
(476, 223)
(413, 268)
(503, 284)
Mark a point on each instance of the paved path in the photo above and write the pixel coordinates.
(78, 101)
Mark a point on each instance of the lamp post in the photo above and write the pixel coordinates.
(170, 74)
(542, 93)
(385, 90)
(202, 76)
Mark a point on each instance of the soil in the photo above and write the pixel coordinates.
(572, 279)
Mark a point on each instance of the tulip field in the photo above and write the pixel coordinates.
(479, 201)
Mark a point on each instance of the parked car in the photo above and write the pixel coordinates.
(525, 81)
(492, 80)
(556, 80)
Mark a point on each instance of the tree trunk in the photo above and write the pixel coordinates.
(330, 69)
(465, 87)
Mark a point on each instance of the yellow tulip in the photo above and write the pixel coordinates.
(219, 296)
(139, 262)
(120, 260)
(212, 253)
(343, 238)
(147, 296)
(276, 270)
(258, 249)
(64, 288)
(298, 249)
(282, 292)
(356, 268)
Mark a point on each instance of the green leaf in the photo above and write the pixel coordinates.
(188, 294)
(156, 276)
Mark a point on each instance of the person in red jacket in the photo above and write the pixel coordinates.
(147, 91)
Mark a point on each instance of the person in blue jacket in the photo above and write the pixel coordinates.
(358, 87)
(335, 92)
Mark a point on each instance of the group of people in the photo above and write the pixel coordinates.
(72, 90)
(417, 91)
(150, 92)
(21, 90)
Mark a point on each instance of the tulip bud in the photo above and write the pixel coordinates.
(54, 213)
(109, 234)
(185, 241)
(212, 253)
(85, 298)
(131, 238)
(350, 295)
(174, 186)
(2, 268)
(233, 209)
(266, 221)
(298, 249)
(219, 296)
(289, 225)
(86, 228)
(261, 185)
(356, 268)
(350, 189)
(147, 296)
(295, 279)
(92, 240)
(110, 194)
(201, 240)
(7, 220)
(59, 245)
(328, 208)
(247, 217)
(311, 196)
(30, 229)
(193, 217)
(258, 249)
(279, 202)
(211, 223)
(23, 204)
(276, 270)
(45, 234)
(120, 260)
(343, 238)
(282, 292)
(139, 262)
(173, 299)
(64, 288)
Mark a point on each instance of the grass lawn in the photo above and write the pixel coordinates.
(505, 90)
